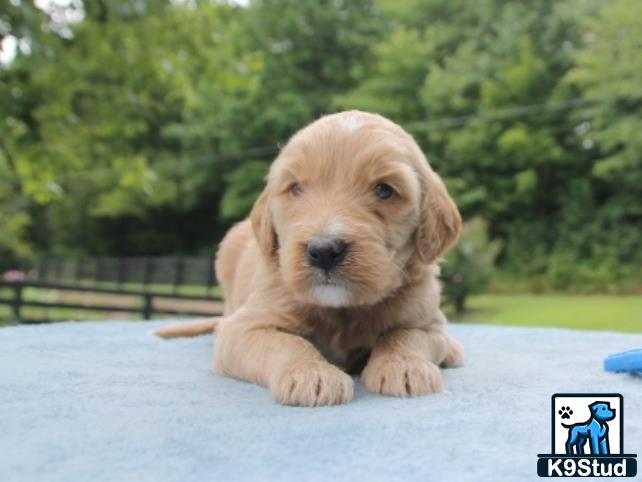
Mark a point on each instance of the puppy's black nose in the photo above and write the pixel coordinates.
(326, 253)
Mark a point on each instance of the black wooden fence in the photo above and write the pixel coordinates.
(183, 286)
(174, 272)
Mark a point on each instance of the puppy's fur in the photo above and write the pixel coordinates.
(285, 321)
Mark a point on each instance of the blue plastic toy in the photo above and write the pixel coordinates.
(628, 361)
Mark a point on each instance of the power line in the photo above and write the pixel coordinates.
(504, 114)
(520, 111)
(266, 152)
(205, 159)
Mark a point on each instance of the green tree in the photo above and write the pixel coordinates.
(103, 140)
(19, 136)
(468, 267)
(145, 126)
(608, 69)
(307, 50)
(486, 95)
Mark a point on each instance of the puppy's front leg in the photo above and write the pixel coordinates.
(404, 362)
(293, 369)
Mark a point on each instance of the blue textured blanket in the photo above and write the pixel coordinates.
(109, 402)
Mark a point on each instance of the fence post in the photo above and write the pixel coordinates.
(178, 274)
(77, 270)
(41, 270)
(122, 271)
(17, 302)
(98, 274)
(210, 274)
(58, 269)
(148, 306)
(149, 269)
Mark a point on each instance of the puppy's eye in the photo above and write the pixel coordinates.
(383, 191)
(296, 190)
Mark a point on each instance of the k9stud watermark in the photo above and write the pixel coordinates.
(587, 437)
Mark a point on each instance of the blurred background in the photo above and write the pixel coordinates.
(133, 133)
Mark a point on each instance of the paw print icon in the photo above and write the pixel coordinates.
(565, 412)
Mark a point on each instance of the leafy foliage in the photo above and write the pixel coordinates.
(468, 267)
(117, 118)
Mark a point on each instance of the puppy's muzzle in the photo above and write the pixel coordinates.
(325, 253)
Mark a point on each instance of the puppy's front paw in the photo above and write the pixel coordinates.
(312, 384)
(455, 355)
(402, 376)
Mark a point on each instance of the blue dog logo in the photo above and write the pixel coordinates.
(594, 448)
(595, 431)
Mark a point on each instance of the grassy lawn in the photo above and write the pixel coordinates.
(154, 287)
(594, 312)
(598, 312)
(53, 296)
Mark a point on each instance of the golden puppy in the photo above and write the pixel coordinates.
(337, 268)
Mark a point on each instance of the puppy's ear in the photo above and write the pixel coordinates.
(439, 219)
(261, 219)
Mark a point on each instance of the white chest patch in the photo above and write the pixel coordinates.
(334, 296)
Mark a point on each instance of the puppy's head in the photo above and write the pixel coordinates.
(349, 203)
